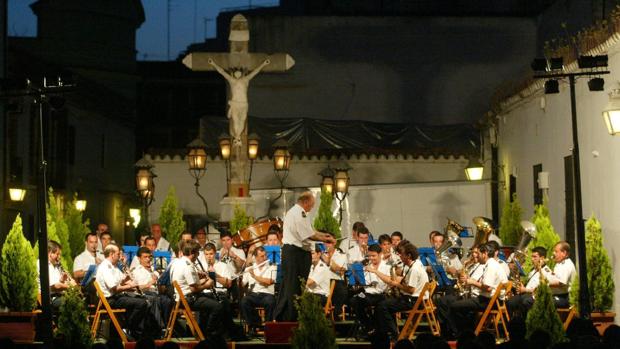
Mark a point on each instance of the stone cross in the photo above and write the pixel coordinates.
(238, 67)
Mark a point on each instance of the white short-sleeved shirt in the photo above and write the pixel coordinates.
(493, 275)
(476, 273)
(221, 269)
(54, 273)
(339, 259)
(533, 278)
(355, 254)
(347, 243)
(505, 267)
(565, 273)
(84, 260)
(162, 245)
(265, 271)
(184, 273)
(230, 262)
(377, 286)
(297, 228)
(493, 237)
(321, 275)
(416, 277)
(143, 276)
(108, 276)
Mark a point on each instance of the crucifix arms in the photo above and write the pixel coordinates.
(232, 78)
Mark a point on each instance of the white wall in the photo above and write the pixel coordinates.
(529, 135)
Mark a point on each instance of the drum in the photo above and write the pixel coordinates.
(255, 233)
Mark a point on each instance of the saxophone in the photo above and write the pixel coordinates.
(393, 291)
(463, 289)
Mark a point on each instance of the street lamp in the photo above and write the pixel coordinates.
(80, 205)
(611, 113)
(341, 180)
(327, 181)
(17, 194)
(474, 170)
(145, 186)
(252, 152)
(224, 142)
(197, 158)
(281, 165)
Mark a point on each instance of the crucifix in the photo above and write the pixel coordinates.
(238, 67)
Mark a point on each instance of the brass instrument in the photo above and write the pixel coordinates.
(453, 226)
(484, 228)
(463, 289)
(452, 240)
(393, 291)
(519, 254)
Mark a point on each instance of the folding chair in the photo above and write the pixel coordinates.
(570, 315)
(185, 311)
(329, 308)
(497, 308)
(422, 308)
(103, 307)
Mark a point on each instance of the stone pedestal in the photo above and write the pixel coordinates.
(227, 207)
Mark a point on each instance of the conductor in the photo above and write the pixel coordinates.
(296, 258)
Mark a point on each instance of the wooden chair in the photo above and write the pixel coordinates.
(570, 314)
(103, 307)
(497, 308)
(328, 309)
(181, 308)
(423, 307)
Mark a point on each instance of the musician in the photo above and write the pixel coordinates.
(473, 270)
(115, 286)
(350, 241)
(59, 280)
(217, 270)
(87, 258)
(453, 264)
(319, 277)
(142, 238)
(149, 243)
(387, 254)
(105, 238)
(101, 228)
(357, 253)
(373, 293)
(563, 274)
(462, 312)
(146, 278)
(213, 316)
(160, 241)
(260, 279)
(502, 263)
(272, 239)
(396, 237)
(337, 262)
(296, 259)
(229, 254)
(201, 238)
(522, 301)
(409, 285)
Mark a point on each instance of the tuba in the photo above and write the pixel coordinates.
(451, 241)
(529, 232)
(484, 228)
(454, 227)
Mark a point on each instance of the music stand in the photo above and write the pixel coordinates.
(131, 252)
(161, 255)
(273, 254)
(355, 274)
(89, 275)
(428, 257)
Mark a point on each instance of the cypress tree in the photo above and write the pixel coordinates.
(325, 220)
(18, 271)
(545, 234)
(600, 275)
(510, 229)
(77, 227)
(55, 218)
(543, 315)
(314, 330)
(73, 328)
(240, 220)
(171, 218)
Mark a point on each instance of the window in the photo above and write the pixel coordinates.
(538, 193)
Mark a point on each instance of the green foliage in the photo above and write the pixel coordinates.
(573, 293)
(510, 225)
(240, 220)
(314, 330)
(56, 222)
(600, 276)
(171, 218)
(73, 328)
(325, 220)
(18, 271)
(545, 235)
(543, 315)
(77, 227)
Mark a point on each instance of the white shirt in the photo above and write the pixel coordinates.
(377, 285)
(347, 243)
(135, 262)
(533, 278)
(493, 275)
(297, 228)
(143, 276)
(338, 260)
(415, 276)
(84, 260)
(355, 254)
(221, 269)
(108, 276)
(54, 273)
(476, 273)
(265, 271)
(230, 262)
(493, 237)
(320, 274)
(183, 272)
(505, 267)
(453, 262)
(162, 245)
(565, 273)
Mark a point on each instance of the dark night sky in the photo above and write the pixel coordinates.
(187, 25)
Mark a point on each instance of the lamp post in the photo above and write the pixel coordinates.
(145, 186)
(80, 205)
(253, 141)
(341, 180)
(17, 194)
(224, 142)
(591, 67)
(197, 159)
(474, 170)
(327, 181)
(281, 164)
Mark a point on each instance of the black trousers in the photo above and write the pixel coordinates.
(443, 313)
(295, 265)
(209, 312)
(361, 304)
(136, 311)
(248, 306)
(519, 304)
(340, 296)
(463, 313)
(385, 310)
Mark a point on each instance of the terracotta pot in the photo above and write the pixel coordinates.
(602, 320)
(19, 326)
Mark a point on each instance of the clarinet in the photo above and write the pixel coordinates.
(127, 273)
(213, 291)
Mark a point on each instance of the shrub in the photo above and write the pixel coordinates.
(171, 218)
(73, 329)
(545, 235)
(314, 330)
(55, 221)
(510, 225)
(77, 227)
(325, 220)
(543, 315)
(240, 220)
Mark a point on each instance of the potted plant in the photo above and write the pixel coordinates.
(325, 220)
(545, 234)
(73, 329)
(18, 286)
(239, 221)
(510, 224)
(543, 315)
(314, 330)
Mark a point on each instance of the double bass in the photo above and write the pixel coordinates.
(256, 233)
